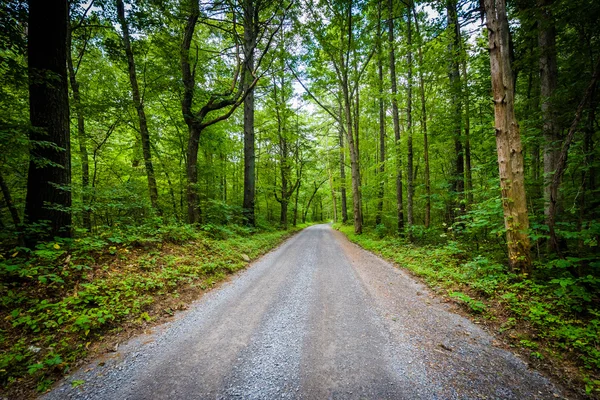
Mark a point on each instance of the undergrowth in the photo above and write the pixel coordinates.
(554, 313)
(66, 294)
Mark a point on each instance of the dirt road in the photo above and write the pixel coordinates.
(317, 318)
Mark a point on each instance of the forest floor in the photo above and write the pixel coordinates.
(69, 301)
(538, 319)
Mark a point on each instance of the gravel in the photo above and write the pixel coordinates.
(317, 318)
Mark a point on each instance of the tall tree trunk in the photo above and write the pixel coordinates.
(548, 83)
(395, 115)
(508, 139)
(139, 106)
(409, 142)
(49, 177)
(352, 145)
(249, 150)
(381, 171)
(354, 162)
(343, 171)
(457, 180)
(424, 124)
(81, 135)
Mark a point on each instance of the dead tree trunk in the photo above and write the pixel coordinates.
(508, 139)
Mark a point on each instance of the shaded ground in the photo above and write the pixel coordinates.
(316, 318)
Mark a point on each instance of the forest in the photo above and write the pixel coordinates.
(152, 147)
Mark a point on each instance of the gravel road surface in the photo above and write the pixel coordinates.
(317, 318)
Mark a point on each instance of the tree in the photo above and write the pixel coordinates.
(508, 139)
(548, 83)
(395, 115)
(49, 177)
(381, 170)
(457, 179)
(139, 107)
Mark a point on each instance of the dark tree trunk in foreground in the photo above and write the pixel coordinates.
(49, 176)
(139, 106)
(508, 139)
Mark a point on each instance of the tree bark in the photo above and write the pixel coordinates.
(49, 177)
(508, 139)
(395, 116)
(139, 106)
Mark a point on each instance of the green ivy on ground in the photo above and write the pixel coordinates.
(66, 294)
(551, 314)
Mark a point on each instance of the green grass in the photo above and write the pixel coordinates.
(552, 314)
(66, 295)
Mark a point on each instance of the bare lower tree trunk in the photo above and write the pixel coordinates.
(395, 116)
(508, 139)
(333, 196)
(343, 173)
(139, 106)
(81, 136)
(354, 162)
(49, 176)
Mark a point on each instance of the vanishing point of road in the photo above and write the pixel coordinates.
(317, 318)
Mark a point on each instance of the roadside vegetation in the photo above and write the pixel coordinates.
(552, 316)
(63, 297)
